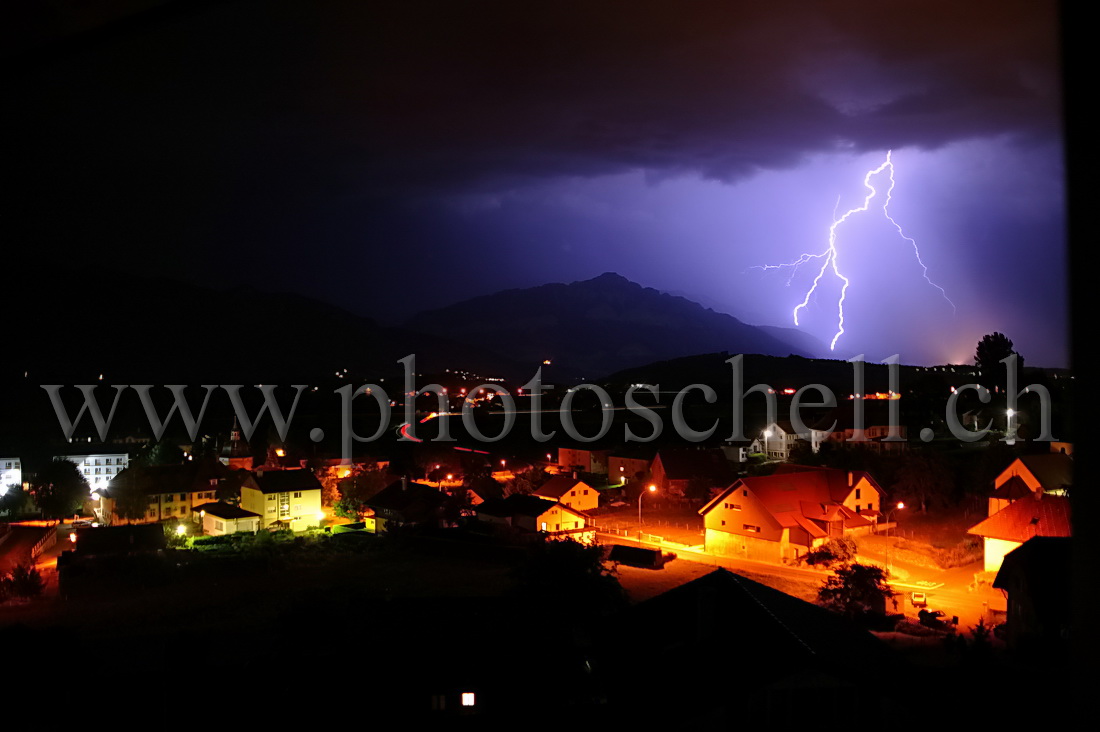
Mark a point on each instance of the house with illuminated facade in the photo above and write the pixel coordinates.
(571, 492)
(99, 464)
(1038, 514)
(1029, 480)
(289, 499)
(785, 515)
(531, 515)
(172, 491)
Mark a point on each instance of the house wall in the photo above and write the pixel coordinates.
(301, 507)
(725, 532)
(214, 526)
(869, 498)
(749, 510)
(558, 520)
(724, 543)
(630, 467)
(582, 497)
(995, 550)
(590, 461)
(100, 469)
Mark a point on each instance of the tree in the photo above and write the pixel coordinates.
(925, 478)
(356, 490)
(128, 494)
(161, 453)
(991, 350)
(563, 576)
(23, 581)
(855, 590)
(12, 499)
(59, 489)
(841, 550)
(519, 485)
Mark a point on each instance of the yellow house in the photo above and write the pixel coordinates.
(533, 514)
(171, 491)
(1040, 514)
(284, 499)
(572, 492)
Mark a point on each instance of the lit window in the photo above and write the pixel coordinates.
(468, 699)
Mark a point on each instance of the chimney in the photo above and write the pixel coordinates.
(574, 475)
(851, 479)
(404, 483)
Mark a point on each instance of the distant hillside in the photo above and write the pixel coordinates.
(596, 327)
(160, 331)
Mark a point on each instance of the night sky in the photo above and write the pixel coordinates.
(391, 157)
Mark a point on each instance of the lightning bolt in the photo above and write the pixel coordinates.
(831, 255)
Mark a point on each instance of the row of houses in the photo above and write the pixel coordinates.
(220, 498)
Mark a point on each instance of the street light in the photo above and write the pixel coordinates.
(1010, 429)
(652, 489)
(767, 435)
(888, 515)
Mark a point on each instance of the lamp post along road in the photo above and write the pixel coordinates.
(889, 515)
(652, 489)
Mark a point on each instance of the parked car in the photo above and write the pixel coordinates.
(82, 524)
(919, 599)
(934, 619)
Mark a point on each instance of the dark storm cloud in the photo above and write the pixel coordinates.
(384, 95)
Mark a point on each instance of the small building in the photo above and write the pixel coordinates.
(404, 503)
(533, 514)
(778, 439)
(571, 492)
(583, 460)
(1040, 514)
(290, 498)
(220, 518)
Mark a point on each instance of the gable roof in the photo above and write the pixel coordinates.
(558, 486)
(1012, 489)
(228, 511)
(521, 505)
(802, 497)
(783, 627)
(285, 481)
(1053, 470)
(1041, 515)
(413, 501)
(185, 477)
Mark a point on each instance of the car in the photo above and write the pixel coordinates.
(82, 524)
(934, 619)
(919, 599)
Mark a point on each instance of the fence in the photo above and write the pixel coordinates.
(48, 540)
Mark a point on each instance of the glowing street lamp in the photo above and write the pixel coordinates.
(1010, 428)
(889, 514)
(767, 436)
(652, 489)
